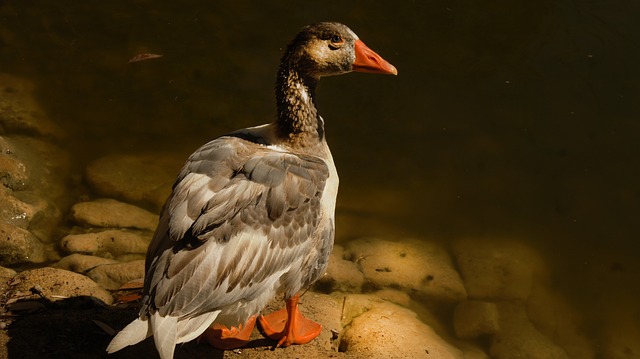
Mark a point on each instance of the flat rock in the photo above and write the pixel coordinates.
(341, 275)
(114, 275)
(145, 178)
(109, 243)
(497, 269)
(18, 245)
(56, 284)
(112, 213)
(396, 332)
(421, 267)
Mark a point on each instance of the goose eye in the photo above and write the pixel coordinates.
(337, 40)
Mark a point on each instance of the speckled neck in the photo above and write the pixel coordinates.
(297, 120)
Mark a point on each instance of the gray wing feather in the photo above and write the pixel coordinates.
(245, 206)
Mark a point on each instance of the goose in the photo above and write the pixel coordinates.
(251, 215)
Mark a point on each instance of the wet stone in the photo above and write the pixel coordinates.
(18, 245)
(112, 213)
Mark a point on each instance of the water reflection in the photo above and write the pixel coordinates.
(508, 119)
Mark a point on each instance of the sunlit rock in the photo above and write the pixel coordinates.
(396, 332)
(18, 245)
(139, 178)
(420, 267)
(56, 284)
(497, 269)
(81, 263)
(114, 275)
(519, 338)
(109, 243)
(341, 275)
(112, 213)
(472, 319)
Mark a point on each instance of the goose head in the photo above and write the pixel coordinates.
(330, 48)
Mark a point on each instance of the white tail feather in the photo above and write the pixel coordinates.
(189, 329)
(134, 333)
(164, 334)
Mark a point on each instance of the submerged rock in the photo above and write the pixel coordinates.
(519, 338)
(472, 319)
(20, 112)
(421, 267)
(135, 178)
(498, 269)
(112, 213)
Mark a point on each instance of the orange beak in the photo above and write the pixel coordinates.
(368, 61)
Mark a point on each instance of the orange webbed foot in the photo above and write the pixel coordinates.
(221, 337)
(288, 326)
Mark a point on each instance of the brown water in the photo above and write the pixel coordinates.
(516, 119)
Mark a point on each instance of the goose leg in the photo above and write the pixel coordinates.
(221, 337)
(288, 326)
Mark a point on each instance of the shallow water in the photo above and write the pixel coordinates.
(507, 119)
